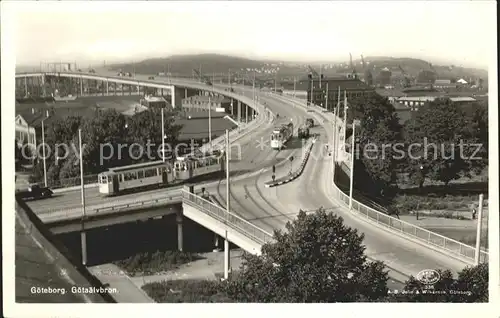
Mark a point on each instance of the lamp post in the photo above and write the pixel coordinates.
(83, 235)
(353, 139)
(43, 151)
(163, 134)
(226, 241)
(477, 256)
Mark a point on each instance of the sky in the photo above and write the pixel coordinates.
(452, 32)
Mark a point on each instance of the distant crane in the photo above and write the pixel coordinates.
(205, 79)
(353, 74)
(407, 82)
(368, 74)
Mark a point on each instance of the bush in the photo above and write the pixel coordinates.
(187, 291)
(151, 263)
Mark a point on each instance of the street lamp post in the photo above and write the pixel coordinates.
(353, 139)
(83, 235)
(226, 241)
(43, 152)
(477, 256)
(163, 134)
(210, 122)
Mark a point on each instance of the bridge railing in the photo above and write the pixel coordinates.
(112, 208)
(69, 182)
(229, 219)
(423, 235)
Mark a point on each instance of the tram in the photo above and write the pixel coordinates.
(140, 176)
(281, 135)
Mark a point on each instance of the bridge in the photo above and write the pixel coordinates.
(255, 212)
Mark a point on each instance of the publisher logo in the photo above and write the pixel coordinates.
(428, 276)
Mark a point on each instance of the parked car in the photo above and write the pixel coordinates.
(34, 192)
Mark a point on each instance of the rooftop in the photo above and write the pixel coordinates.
(150, 98)
(197, 127)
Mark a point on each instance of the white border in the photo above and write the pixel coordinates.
(11, 309)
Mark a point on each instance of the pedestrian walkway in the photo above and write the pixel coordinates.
(127, 291)
(207, 268)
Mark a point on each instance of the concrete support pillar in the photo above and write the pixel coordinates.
(216, 242)
(180, 237)
(185, 93)
(107, 88)
(26, 86)
(138, 90)
(246, 114)
(232, 108)
(44, 92)
(226, 258)
(173, 100)
(239, 111)
(81, 86)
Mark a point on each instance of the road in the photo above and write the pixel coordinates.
(271, 208)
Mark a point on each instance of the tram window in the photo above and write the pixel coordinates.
(140, 174)
(149, 173)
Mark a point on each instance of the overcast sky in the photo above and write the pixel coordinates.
(458, 32)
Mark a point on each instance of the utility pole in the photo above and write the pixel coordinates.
(294, 85)
(326, 97)
(209, 122)
(163, 133)
(345, 115)
(226, 241)
(477, 256)
(320, 67)
(43, 152)
(353, 139)
(83, 235)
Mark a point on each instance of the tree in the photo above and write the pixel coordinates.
(318, 259)
(470, 286)
(379, 132)
(439, 129)
(477, 133)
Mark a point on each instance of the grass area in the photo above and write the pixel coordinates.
(449, 206)
(157, 262)
(187, 291)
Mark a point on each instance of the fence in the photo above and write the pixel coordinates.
(231, 220)
(430, 238)
(413, 231)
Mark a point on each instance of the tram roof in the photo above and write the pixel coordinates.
(137, 166)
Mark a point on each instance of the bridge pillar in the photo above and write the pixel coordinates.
(185, 93)
(25, 86)
(232, 108)
(246, 114)
(216, 242)
(239, 111)
(107, 88)
(180, 241)
(81, 86)
(44, 92)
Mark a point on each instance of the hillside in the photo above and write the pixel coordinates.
(183, 65)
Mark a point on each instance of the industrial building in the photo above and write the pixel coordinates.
(317, 89)
(202, 103)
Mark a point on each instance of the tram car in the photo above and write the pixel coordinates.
(140, 176)
(281, 135)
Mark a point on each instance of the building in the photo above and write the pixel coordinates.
(351, 87)
(154, 102)
(413, 102)
(218, 104)
(24, 132)
(195, 125)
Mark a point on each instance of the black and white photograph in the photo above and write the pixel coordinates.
(250, 152)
